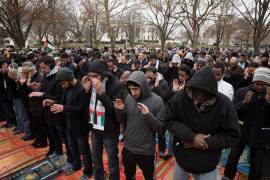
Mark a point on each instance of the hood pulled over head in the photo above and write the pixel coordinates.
(139, 78)
(204, 79)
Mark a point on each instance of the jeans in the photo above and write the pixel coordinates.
(111, 146)
(234, 156)
(22, 117)
(145, 162)
(55, 143)
(170, 143)
(62, 131)
(80, 146)
(181, 174)
(42, 129)
(256, 163)
(8, 112)
(162, 141)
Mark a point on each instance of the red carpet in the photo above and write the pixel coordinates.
(16, 154)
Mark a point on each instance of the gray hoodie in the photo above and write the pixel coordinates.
(141, 129)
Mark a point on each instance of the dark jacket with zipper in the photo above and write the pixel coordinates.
(35, 103)
(76, 113)
(219, 120)
(254, 117)
(52, 90)
(161, 90)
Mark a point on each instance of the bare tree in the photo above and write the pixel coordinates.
(223, 16)
(195, 14)
(60, 23)
(132, 25)
(94, 13)
(77, 21)
(164, 15)
(257, 14)
(41, 24)
(114, 11)
(17, 17)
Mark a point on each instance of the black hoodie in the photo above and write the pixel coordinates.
(219, 120)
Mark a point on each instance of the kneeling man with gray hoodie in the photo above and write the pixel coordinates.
(143, 114)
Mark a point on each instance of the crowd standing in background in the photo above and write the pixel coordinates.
(194, 103)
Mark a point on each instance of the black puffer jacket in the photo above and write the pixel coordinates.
(184, 122)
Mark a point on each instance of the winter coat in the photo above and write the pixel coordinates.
(35, 103)
(76, 113)
(254, 117)
(235, 76)
(52, 90)
(219, 120)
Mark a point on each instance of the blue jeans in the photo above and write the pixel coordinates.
(181, 174)
(22, 117)
(111, 146)
(170, 143)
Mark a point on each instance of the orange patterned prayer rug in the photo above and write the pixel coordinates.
(16, 154)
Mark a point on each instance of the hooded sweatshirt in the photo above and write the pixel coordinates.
(218, 119)
(141, 129)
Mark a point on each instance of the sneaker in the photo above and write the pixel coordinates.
(84, 177)
(27, 137)
(41, 145)
(3, 126)
(17, 132)
(36, 142)
(54, 155)
(225, 178)
(9, 126)
(15, 129)
(68, 167)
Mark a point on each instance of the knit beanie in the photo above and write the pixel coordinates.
(262, 74)
(176, 59)
(64, 74)
(99, 67)
(189, 56)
